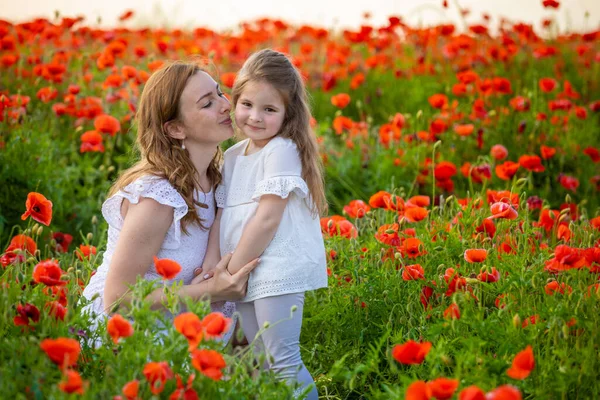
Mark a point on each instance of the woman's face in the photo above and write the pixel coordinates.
(205, 111)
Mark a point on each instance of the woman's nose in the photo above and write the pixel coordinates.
(226, 105)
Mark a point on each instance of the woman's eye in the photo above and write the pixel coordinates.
(208, 104)
(221, 93)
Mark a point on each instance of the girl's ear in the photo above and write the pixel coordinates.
(174, 130)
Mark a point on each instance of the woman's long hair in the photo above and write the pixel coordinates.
(276, 69)
(162, 155)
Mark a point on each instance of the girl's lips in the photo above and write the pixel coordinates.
(254, 128)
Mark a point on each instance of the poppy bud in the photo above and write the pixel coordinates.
(397, 256)
(520, 183)
(492, 113)
(266, 325)
(31, 260)
(34, 228)
(419, 114)
(388, 231)
(89, 236)
(111, 168)
(70, 270)
(294, 308)
(516, 321)
(40, 230)
(37, 253)
(437, 144)
(53, 243)
(101, 168)
(94, 220)
(565, 330)
(445, 359)
(449, 199)
(358, 104)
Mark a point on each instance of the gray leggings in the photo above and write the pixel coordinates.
(282, 339)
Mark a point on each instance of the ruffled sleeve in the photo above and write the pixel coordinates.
(154, 188)
(282, 172)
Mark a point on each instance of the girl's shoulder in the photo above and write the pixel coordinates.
(236, 149)
(280, 142)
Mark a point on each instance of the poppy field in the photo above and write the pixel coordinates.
(462, 167)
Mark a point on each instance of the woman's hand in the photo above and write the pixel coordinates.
(224, 286)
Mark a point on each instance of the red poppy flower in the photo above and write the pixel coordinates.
(522, 364)
(107, 124)
(63, 241)
(475, 255)
(464, 130)
(507, 170)
(26, 314)
(157, 373)
(593, 153)
(418, 390)
(413, 272)
(503, 210)
(498, 152)
(56, 309)
(438, 101)
(23, 242)
(554, 287)
(167, 268)
(452, 312)
(415, 214)
(547, 152)
(443, 388)
(73, 384)
(531, 163)
(62, 351)
(356, 209)
(490, 277)
(471, 393)
(412, 248)
(85, 252)
(444, 170)
(340, 100)
(39, 208)
(190, 326)
(91, 141)
(185, 392)
(49, 273)
(504, 392)
(411, 352)
(488, 227)
(338, 226)
(118, 327)
(209, 363)
(130, 389)
(341, 124)
(215, 325)
(228, 79)
(547, 84)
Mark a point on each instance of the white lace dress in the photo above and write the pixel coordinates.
(188, 250)
(294, 261)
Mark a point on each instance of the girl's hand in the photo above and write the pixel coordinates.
(225, 286)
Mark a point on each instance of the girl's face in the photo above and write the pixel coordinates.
(205, 111)
(259, 112)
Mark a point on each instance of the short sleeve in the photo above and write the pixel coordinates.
(154, 188)
(282, 173)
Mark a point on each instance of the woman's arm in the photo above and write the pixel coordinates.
(259, 231)
(144, 229)
(213, 251)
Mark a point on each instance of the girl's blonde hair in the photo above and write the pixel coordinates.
(276, 69)
(162, 155)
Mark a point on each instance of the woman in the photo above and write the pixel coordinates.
(163, 206)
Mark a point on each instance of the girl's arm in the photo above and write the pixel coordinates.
(259, 231)
(213, 251)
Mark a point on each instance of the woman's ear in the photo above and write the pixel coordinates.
(174, 130)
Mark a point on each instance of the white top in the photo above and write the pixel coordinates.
(294, 261)
(188, 250)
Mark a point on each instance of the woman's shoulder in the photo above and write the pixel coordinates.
(152, 186)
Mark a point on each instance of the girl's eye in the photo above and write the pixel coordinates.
(269, 109)
(246, 104)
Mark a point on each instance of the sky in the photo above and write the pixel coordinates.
(226, 14)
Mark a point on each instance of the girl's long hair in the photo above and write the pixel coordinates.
(276, 69)
(160, 154)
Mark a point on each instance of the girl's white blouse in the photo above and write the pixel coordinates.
(294, 261)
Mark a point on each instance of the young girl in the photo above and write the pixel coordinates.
(269, 204)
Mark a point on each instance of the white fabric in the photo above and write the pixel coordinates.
(281, 341)
(188, 250)
(294, 261)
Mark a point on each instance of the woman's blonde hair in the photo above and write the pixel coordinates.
(162, 155)
(276, 69)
